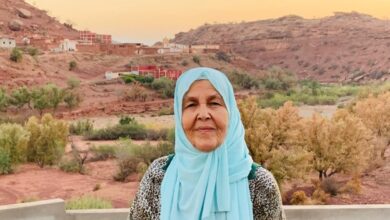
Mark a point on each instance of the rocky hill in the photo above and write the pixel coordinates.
(19, 19)
(343, 47)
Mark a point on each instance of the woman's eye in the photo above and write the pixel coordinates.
(215, 103)
(190, 105)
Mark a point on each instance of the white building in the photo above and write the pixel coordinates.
(172, 47)
(26, 41)
(6, 42)
(66, 45)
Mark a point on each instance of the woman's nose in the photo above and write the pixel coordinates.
(203, 113)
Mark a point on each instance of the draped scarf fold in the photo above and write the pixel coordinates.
(213, 185)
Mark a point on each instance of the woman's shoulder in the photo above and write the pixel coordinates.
(158, 167)
(147, 200)
(261, 177)
(265, 194)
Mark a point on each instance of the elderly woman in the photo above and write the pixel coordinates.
(211, 176)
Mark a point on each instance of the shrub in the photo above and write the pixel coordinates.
(133, 130)
(330, 186)
(102, 152)
(69, 166)
(79, 157)
(299, 198)
(13, 144)
(126, 166)
(165, 86)
(16, 55)
(73, 83)
(353, 186)
(81, 127)
(319, 197)
(4, 100)
(134, 158)
(144, 80)
(184, 63)
(243, 80)
(88, 202)
(32, 51)
(196, 59)
(136, 93)
(5, 162)
(160, 134)
(125, 120)
(279, 79)
(221, 55)
(165, 111)
(47, 141)
(72, 65)
(72, 99)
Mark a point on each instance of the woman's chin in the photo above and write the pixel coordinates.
(206, 146)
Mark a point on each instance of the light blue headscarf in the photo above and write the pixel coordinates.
(214, 185)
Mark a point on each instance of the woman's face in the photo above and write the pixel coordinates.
(204, 117)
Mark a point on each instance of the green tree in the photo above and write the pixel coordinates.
(13, 144)
(20, 97)
(340, 145)
(40, 99)
(47, 141)
(274, 139)
(55, 95)
(375, 114)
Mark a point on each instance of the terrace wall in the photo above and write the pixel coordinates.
(55, 210)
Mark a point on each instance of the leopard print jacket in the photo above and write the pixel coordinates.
(264, 192)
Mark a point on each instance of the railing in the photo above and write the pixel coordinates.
(55, 210)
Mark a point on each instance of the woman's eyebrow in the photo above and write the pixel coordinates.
(189, 98)
(216, 96)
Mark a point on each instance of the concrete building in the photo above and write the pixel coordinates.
(95, 38)
(172, 47)
(66, 45)
(7, 42)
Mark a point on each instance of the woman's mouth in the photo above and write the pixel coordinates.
(205, 129)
